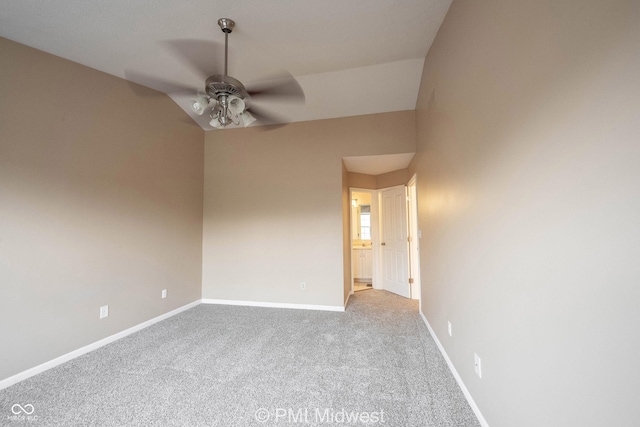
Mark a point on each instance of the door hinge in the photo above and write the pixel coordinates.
(410, 280)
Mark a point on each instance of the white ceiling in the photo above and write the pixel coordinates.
(351, 57)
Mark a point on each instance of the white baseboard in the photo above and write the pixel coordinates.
(7, 382)
(453, 370)
(273, 304)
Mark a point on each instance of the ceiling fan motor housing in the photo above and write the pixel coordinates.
(218, 85)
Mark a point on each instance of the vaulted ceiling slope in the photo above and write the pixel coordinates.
(350, 57)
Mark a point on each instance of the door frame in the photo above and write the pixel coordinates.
(414, 234)
(414, 238)
(375, 235)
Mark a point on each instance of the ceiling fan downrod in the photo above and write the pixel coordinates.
(219, 85)
(226, 25)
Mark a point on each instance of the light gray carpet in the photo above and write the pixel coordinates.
(227, 366)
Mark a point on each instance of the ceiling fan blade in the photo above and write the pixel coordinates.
(279, 88)
(160, 85)
(203, 57)
(268, 121)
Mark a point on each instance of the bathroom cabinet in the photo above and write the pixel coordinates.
(362, 263)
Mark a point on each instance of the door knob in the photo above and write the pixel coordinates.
(383, 243)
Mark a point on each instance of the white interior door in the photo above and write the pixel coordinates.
(394, 241)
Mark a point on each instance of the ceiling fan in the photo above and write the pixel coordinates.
(227, 101)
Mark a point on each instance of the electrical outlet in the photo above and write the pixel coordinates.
(478, 364)
(303, 285)
(104, 311)
(164, 293)
(449, 328)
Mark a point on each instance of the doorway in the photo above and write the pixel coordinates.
(364, 235)
(384, 240)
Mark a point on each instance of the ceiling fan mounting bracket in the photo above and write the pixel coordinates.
(226, 25)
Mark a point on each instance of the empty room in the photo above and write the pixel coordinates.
(381, 212)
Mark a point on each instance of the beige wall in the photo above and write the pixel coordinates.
(391, 179)
(361, 180)
(100, 203)
(528, 161)
(376, 182)
(274, 201)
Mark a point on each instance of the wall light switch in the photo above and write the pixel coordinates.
(478, 364)
(104, 311)
(449, 328)
(164, 293)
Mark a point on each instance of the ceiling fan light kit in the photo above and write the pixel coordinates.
(236, 105)
(199, 104)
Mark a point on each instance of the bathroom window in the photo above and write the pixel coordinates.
(365, 222)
